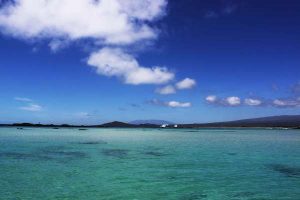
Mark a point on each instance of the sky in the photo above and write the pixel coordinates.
(185, 61)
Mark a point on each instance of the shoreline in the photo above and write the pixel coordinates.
(83, 127)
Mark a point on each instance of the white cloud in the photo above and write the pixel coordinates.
(253, 102)
(23, 99)
(172, 104)
(186, 83)
(278, 102)
(176, 104)
(109, 21)
(233, 101)
(211, 98)
(32, 107)
(286, 103)
(236, 101)
(115, 62)
(169, 89)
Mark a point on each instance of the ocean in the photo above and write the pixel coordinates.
(149, 164)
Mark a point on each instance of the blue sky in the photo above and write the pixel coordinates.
(181, 60)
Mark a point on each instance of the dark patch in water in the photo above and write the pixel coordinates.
(191, 131)
(152, 148)
(92, 142)
(15, 155)
(49, 149)
(285, 169)
(118, 153)
(228, 131)
(71, 154)
(232, 154)
(244, 194)
(171, 177)
(57, 153)
(61, 152)
(23, 156)
(194, 196)
(210, 131)
(39, 142)
(153, 153)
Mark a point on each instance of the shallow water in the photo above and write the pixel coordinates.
(142, 164)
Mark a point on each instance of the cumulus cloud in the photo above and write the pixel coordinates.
(186, 83)
(169, 89)
(115, 62)
(172, 104)
(289, 102)
(286, 103)
(236, 101)
(211, 99)
(253, 102)
(176, 104)
(228, 101)
(233, 101)
(32, 107)
(109, 21)
(106, 23)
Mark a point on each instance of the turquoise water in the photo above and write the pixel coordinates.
(149, 164)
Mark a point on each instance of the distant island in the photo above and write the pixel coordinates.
(151, 121)
(283, 121)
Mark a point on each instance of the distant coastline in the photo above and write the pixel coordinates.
(284, 121)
